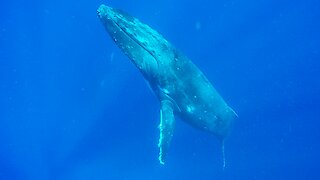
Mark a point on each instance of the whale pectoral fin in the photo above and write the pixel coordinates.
(166, 128)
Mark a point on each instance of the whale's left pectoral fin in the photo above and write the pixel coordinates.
(166, 128)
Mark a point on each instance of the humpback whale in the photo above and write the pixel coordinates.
(182, 89)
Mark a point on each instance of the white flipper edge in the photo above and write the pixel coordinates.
(223, 156)
(166, 128)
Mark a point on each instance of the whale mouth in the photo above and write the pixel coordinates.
(121, 22)
(114, 18)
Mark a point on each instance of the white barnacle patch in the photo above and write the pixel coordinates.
(190, 109)
(165, 90)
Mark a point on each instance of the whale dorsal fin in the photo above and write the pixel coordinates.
(166, 128)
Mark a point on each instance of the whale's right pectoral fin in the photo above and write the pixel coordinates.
(166, 128)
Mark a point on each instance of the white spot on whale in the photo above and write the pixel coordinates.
(190, 109)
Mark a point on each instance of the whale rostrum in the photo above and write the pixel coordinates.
(182, 89)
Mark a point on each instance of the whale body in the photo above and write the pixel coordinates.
(182, 89)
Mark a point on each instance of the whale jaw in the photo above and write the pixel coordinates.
(143, 45)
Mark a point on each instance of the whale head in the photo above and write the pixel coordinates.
(143, 45)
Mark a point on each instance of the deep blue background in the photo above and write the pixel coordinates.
(72, 106)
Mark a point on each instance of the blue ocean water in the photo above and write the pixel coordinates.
(72, 105)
